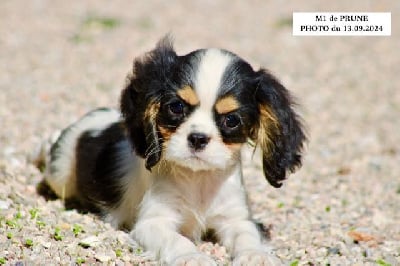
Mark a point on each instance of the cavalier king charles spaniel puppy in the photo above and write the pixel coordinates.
(167, 166)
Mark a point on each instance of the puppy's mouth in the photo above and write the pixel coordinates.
(196, 157)
(196, 161)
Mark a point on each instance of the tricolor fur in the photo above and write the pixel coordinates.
(169, 167)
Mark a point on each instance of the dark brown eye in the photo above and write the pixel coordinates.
(232, 121)
(176, 108)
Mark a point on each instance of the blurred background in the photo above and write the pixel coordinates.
(59, 59)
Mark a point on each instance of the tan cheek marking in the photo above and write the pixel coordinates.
(165, 132)
(226, 105)
(188, 95)
(234, 146)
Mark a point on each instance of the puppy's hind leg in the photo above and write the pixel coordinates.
(39, 155)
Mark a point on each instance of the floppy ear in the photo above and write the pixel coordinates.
(279, 133)
(140, 100)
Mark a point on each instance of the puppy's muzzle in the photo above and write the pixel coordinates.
(198, 141)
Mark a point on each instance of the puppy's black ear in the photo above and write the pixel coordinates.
(140, 100)
(279, 132)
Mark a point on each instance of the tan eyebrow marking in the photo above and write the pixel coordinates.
(226, 105)
(188, 95)
(165, 132)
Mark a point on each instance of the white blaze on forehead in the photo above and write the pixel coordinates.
(216, 155)
(209, 74)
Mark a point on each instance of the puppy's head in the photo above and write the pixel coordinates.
(197, 110)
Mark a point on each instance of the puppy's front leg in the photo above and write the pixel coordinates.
(242, 238)
(238, 233)
(157, 229)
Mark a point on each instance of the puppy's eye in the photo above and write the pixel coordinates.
(231, 121)
(176, 108)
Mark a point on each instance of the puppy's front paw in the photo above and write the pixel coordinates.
(256, 258)
(194, 259)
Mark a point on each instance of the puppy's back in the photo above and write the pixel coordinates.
(61, 161)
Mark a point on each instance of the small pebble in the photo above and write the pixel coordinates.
(91, 241)
(4, 205)
(102, 257)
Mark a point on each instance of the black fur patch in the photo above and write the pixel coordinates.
(155, 79)
(260, 89)
(284, 155)
(103, 159)
(239, 82)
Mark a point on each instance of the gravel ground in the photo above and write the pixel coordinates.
(59, 59)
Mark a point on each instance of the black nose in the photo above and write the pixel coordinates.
(198, 141)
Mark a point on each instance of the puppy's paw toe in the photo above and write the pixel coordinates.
(194, 259)
(256, 258)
